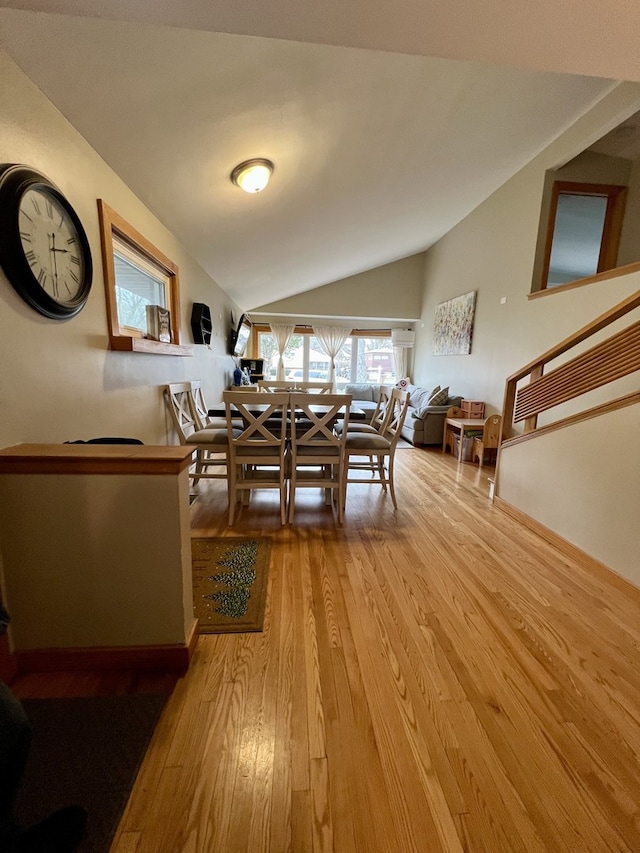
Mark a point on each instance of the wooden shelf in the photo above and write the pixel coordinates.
(125, 344)
(94, 459)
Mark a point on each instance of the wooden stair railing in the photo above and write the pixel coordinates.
(611, 359)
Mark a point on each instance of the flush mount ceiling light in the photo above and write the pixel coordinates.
(252, 176)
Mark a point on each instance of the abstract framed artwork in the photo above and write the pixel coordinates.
(453, 325)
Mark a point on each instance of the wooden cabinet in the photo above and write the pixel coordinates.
(96, 555)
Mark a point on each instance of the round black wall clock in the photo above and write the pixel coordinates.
(44, 250)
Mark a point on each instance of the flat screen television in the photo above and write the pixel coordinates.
(241, 336)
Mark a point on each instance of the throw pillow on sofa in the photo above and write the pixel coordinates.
(440, 397)
(418, 397)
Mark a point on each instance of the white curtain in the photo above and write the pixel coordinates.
(282, 333)
(331, 340)
(400, 362)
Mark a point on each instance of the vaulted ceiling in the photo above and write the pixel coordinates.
(387, 123)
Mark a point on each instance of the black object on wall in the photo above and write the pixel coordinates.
(255, 366)
(201, 323)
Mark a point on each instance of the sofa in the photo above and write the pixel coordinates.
(365, 397)
(424, 423)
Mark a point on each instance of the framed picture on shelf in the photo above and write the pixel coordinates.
(158, 323)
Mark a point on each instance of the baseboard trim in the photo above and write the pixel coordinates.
(171, 658)
(569, 549)
(192, 640)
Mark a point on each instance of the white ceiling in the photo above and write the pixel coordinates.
(377, 153)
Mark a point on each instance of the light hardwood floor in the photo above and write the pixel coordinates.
(433, 679)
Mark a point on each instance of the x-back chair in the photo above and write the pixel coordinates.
(379, 448)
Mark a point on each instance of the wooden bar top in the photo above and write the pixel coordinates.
(94, 459)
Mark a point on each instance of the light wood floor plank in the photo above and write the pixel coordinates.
(433, 680)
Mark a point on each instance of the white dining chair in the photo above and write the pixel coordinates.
(381, 415)
(257, 452)
(375, 452)
(317, 451)
(204, 420)
(210, 443)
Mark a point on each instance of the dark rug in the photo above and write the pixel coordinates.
(86, 751)
(229, 583)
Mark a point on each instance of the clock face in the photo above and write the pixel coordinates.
(44, 250)
(51, 245)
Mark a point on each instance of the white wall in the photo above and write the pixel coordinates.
(58, 381)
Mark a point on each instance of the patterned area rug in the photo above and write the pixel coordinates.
(229, 583)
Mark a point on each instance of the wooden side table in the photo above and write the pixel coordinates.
(457, 427)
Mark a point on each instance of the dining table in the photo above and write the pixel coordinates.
(255, 407)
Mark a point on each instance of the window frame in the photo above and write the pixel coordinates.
(307, 331)
(125, 339)
(616, 196)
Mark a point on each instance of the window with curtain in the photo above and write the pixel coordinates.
(282, 333)
(361, 359)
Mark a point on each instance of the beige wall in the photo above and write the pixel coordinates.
(390, 292)
(588, 167)
(492, 252)
(629, 250)
(599, 460)
(110, 565)
(58, 381)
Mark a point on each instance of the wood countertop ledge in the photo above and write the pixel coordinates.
(94, 459)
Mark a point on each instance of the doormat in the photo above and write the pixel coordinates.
(229, 583)
(86, 751)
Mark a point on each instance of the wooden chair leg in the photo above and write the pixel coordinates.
(391, 486)
(292, 496)
(343, 487)
(283, 500)
(233, 493)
